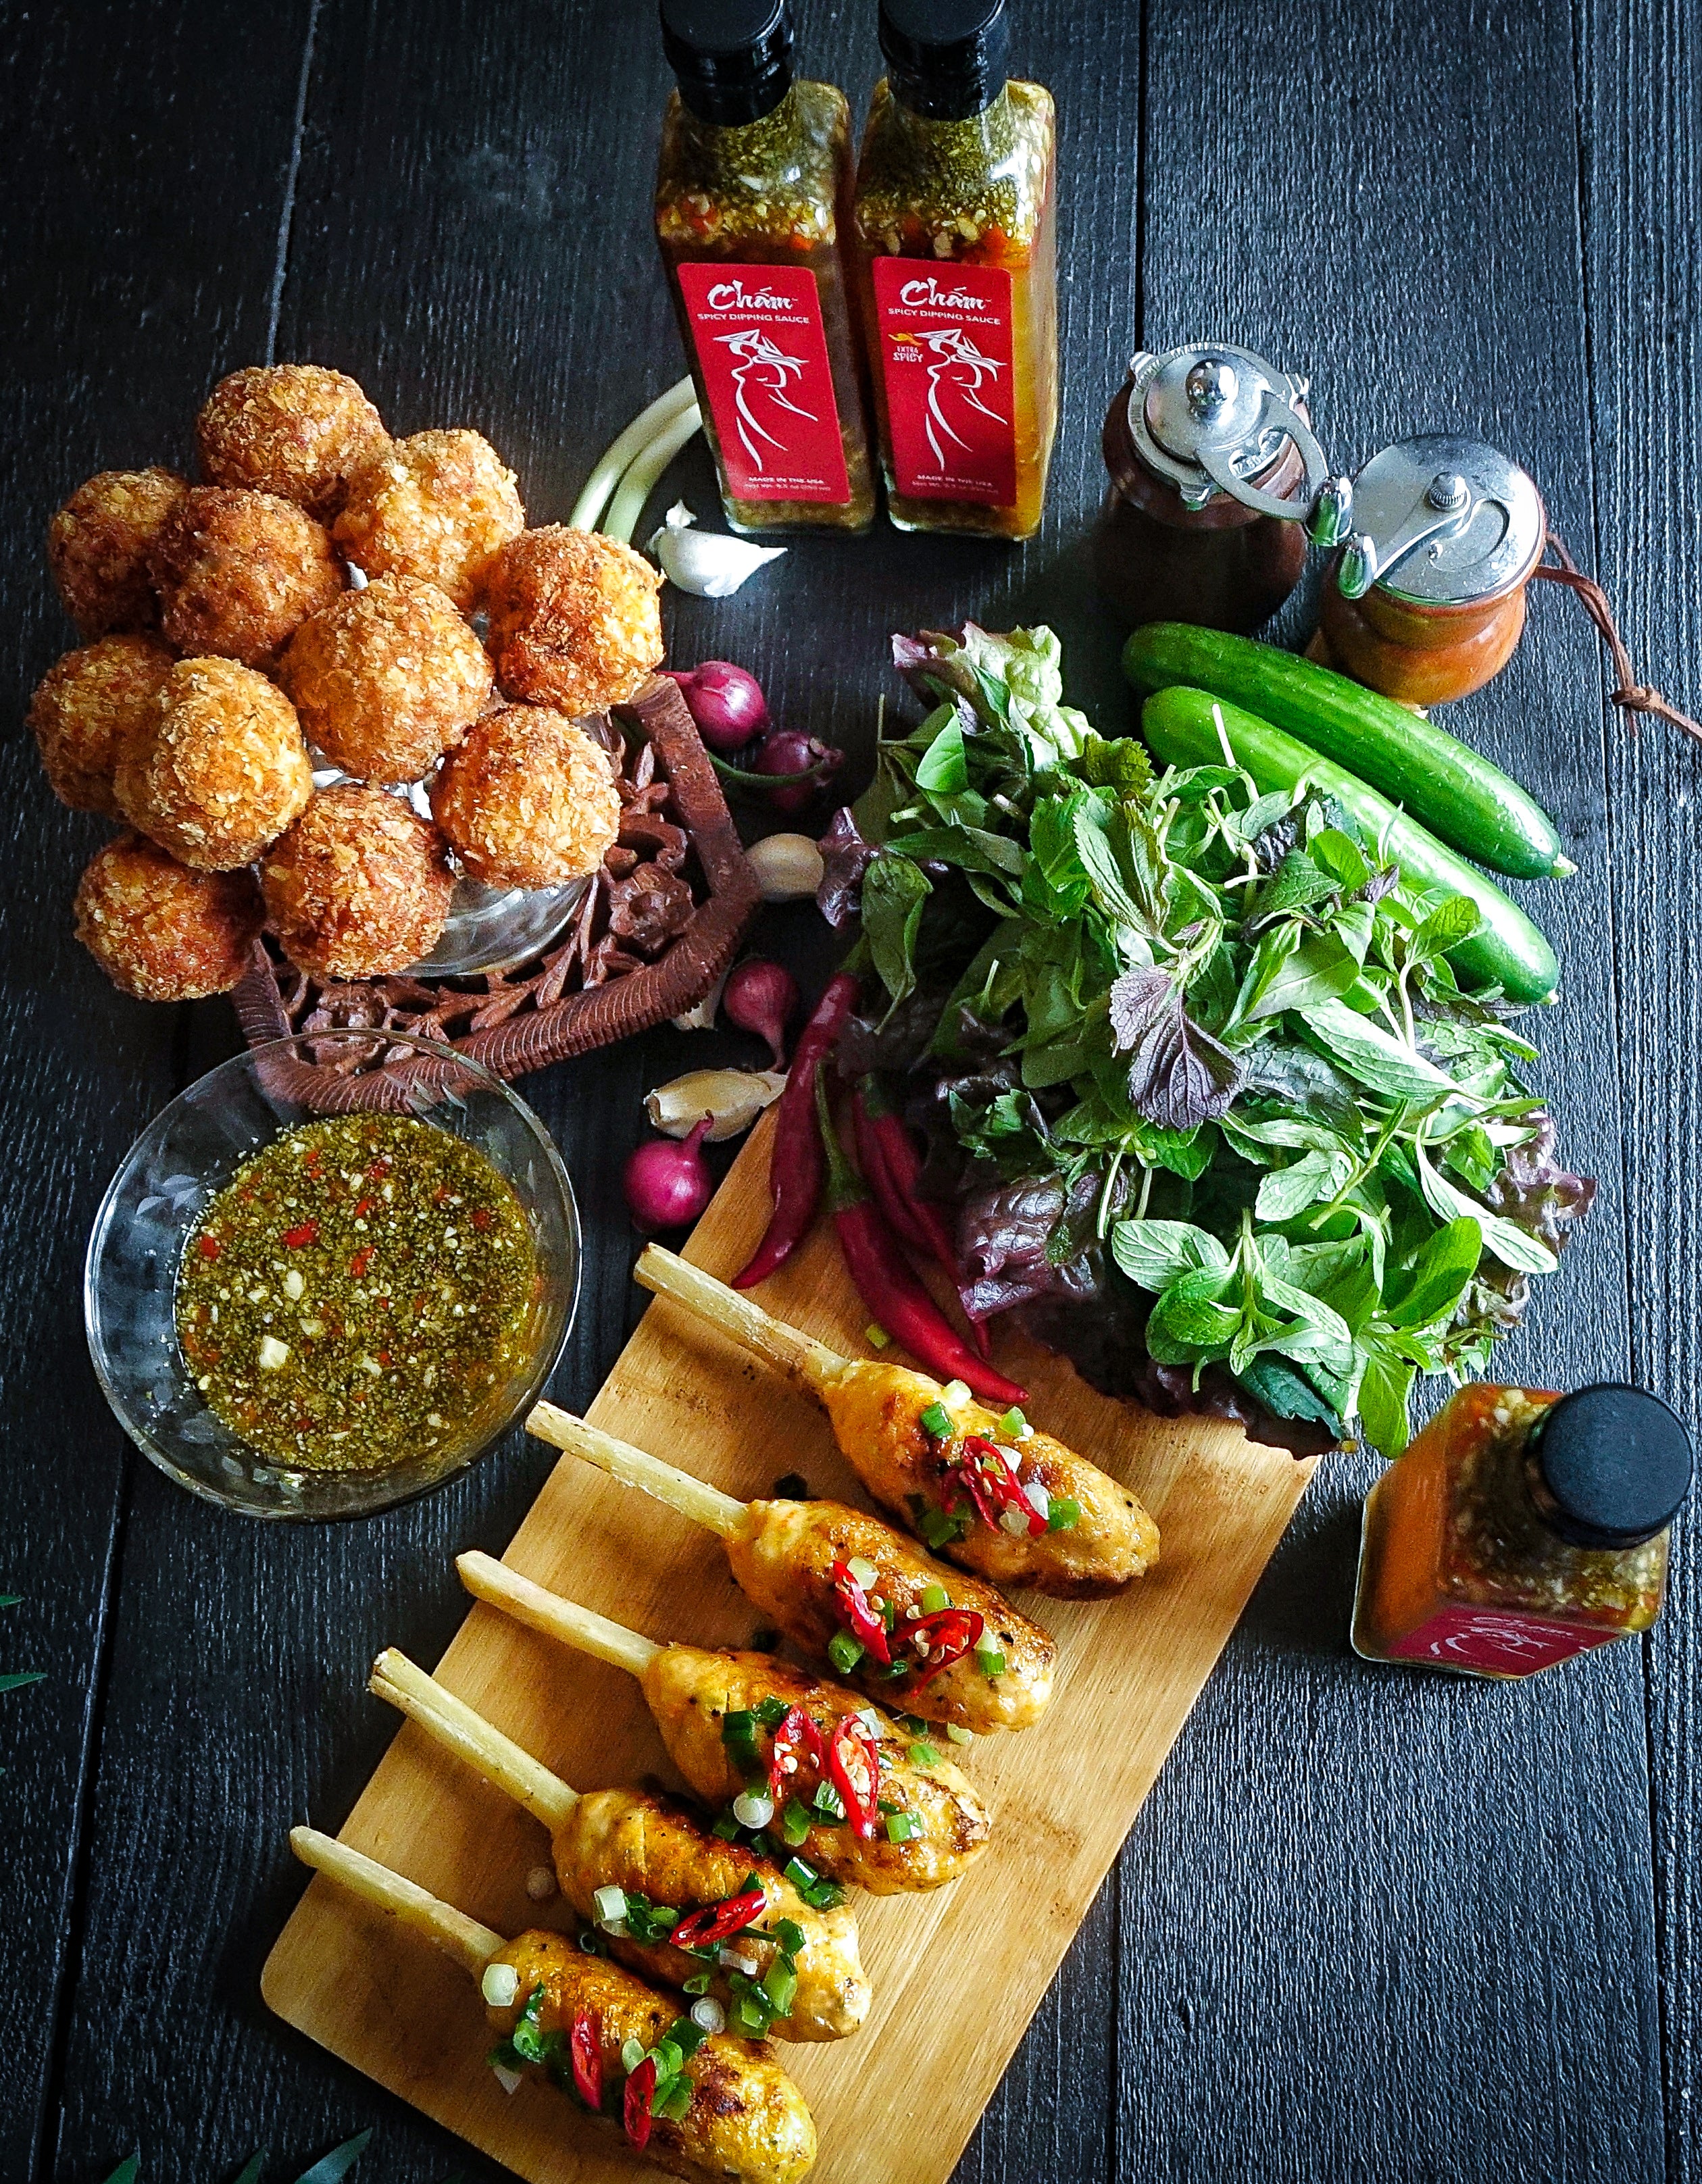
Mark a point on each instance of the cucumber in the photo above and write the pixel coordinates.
(1182, 727)
(1451, 790)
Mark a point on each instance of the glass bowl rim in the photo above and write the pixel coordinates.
(243, 1062)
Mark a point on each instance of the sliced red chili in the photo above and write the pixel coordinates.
(379, 1168)
(635, 2108)
(718, 1922)
(949, 1635)
(587, 2052)
(797, 1738)
(208, 1246)
(984, 1468)
(361, 1261)
(362, 1206)
(304, 1232)
(482, 1217)
(854, 1769)
(862, 1620)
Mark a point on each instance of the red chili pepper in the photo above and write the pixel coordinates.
(362, 1206)
(854, 1771)
(877, 1174)
(361, 1261)
(950, 1633)
(862, 1621)
(586, 2050)
(717, 1922)
(379, 1169)
(635, 2107)
(796, 1163)
(208, 1246)
(797, 1738)
(482, 1217)
(888, 1286)
(304, 1232)
(985, 1471)
(892, 1168)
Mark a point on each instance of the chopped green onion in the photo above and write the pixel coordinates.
(686, 2034)
(699, 1983)
(955, 1391)
(802, 1877)
(780, 1984)
(924, 1755)
(771, 1712)
(795, 1823)
(844, 1651)
(823, 1895)
(935, 1420)
(1063, 1511)
(828, 1803)
(753, 1808)
(864, 1571)
(1014, 1424)
(680, 397)
(900, 1828)
(667, 2058)
(934, 1598)
(790, 1937)
(876, 1335)
(913, 1723)
(675, 2103)
(632, 2055)
(727, 1828)
(990, 1661)
(610, 1905)
(959, 1735)
(750, 2015)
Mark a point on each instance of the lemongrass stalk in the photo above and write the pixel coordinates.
(470, 1943)
(620, 452)
(639, 481)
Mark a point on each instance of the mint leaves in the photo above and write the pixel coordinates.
(1285, 1145)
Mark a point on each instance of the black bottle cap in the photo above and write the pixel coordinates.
(733, 58)
(946, 58)
(1609, 1467)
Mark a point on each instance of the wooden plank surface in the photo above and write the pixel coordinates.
(956, 1973)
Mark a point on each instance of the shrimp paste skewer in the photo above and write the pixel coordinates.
(697, 2105)
(983, 1488)
(657, 1857)
(846, 1587)
(848, 1797)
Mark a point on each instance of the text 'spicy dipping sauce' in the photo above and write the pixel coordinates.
(357, 1293)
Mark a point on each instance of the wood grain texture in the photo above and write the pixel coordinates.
(136, 249)
(1641, 203)
(955, 1973)
(1402, 1927)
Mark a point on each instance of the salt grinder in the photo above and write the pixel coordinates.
(1427, 599)
(1218, 482)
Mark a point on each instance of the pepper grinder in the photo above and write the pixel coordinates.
(1427, 599)
(1218, 482)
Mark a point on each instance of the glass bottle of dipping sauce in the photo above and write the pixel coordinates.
(753, 197)
(954, 234)
(1521, 1528)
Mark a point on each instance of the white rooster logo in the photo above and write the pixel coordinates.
(959, 369)
(765, 371)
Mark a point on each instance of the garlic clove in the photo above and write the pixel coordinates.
(702, 1017)
(734, 1098)
(709, 564)
(788, 866)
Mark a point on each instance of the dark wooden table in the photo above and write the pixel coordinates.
(1369, 1926)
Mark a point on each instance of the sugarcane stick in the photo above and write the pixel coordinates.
(488, 1580)
(695, 1695)
(472, 1738)
(471, 1945)
(704, 1504)
(983, 1488)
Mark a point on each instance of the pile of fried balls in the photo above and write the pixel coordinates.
(311, 603)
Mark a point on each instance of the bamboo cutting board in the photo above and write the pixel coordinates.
(956, 1974)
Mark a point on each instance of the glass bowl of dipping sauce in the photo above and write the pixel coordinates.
(316, 1287)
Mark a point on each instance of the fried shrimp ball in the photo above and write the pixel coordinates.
(220, 771)
(387, 679)
(358, 887)
(238, 573)
(88, 706)
(300, 431)
(528, 800)
(98, 544)
(574, 621)
(436, 506)
(160, 931)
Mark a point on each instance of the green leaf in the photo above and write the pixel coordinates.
(126, 2171)
(10, 1599)
(1385, 1387)
(1293, 968)
(1449, 924)
(336, 2165)
(943, 769)
(1287, 1191)
(1296, 884)
(1099, 861)
(1153, 1253)
(1187, 1322)
(1514, 1246)
(1286, 1392)
(894, 891)
(18, 1679)
(1427, 1294)
(1340, 856)
(1371, 1054)
(252, 2168)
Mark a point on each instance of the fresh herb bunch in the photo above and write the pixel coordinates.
(1193, 1060)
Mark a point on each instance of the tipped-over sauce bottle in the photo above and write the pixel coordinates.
(753, 196)
(955, 234)
(1521, 1528)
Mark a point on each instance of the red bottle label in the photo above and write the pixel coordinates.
(763, 355)
(946, 358)
(1503, 1644)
